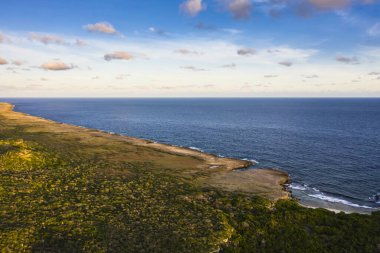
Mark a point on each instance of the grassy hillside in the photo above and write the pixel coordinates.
(69, 191)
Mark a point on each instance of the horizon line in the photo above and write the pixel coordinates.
(289, 97)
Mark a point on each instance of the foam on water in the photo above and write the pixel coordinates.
(251, 160)
(197, 149)
(375, 198)
(322, 196)
(316, 193)
(299, 187)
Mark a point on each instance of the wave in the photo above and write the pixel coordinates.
(299, 187)
(376, 198)
(337, 200)
(316, 193)
(197, 149)
(250, 160)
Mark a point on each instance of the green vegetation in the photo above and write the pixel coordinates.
(59, 193)
(48, 203)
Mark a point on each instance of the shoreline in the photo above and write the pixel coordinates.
(337, 204)
(213, 160)
(230, 174)
(225, 173)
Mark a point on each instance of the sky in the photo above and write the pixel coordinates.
(190, 48)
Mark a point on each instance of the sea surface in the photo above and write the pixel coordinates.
(330, 147)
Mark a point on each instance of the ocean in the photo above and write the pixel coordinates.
(330, 147)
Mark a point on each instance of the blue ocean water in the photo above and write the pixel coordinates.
(330, 147)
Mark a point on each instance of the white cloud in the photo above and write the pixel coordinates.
(3, 61)
(240, 9)
(119, 55)
(217, 56)
(101, 27)
(47, 38)
(56, 65)
(192, 7)
(185, 51)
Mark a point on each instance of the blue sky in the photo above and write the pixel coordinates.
(127, 48)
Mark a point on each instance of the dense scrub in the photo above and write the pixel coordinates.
(57, 195)
(288, 227)
(48, 204)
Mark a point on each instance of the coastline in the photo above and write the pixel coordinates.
(223, 173)
(228, 174)
(78, 189)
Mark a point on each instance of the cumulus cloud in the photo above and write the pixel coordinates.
(192, 7)
(270, 76)
(47, 38)
(2, 38)
(56, 65)
(374, 73)
(53, 39)
(240, 9)
(3, 61)
(286, 63)
(347, 60)
(101, 27)
(330, 4)
(119, 55)
(246, 51)
(374, 30)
